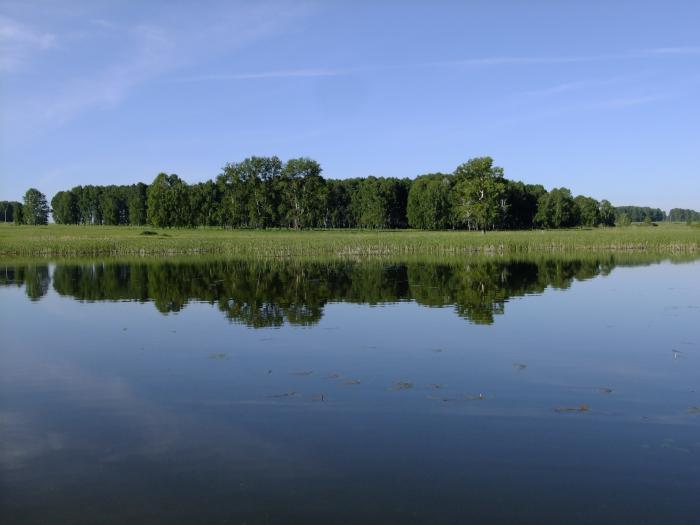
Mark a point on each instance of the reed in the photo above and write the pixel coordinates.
(81, 241)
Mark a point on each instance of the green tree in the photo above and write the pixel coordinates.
(233, 210)
(168, 202)
(394, 193)
(378, 202)
(35, 209)
(338, 212)
(683, 215)
(589, 211)
(205, 199)
(248, 192)
(259, 175)
(367, 205)
(430, 203)
(623, 220)
(88, 203)
(556, 209)
(7, 210)
(302, 194)
(637, 213)
(481, 196)
(136, 201)
(17, 213)
(113, 205)
(64, 208)
(522, 204)
(607, 213)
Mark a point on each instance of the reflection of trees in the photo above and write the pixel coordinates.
(262, 293)
(480, 290)
(34, 277)
(99, 282)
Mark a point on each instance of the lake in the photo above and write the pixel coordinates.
(485, 390)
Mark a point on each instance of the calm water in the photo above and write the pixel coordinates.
(266, 392)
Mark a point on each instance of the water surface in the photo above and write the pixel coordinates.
(233, 391)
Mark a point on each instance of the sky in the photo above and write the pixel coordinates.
(601, 97)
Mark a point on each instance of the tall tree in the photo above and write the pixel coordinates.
(367, 204)
(522, 204)
(338, 211)
(64, 208)
(205, 198)
(430, 205)
(557, 209)
(233, 210)
(17, 213)
(35, 209)
(168, 202)
(259, 175)
(136, 201)
(302, 194)
(607, 213)
(7, 210)
(588, 210)
(481, 197)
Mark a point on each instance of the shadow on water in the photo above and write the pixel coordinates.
(272, 292)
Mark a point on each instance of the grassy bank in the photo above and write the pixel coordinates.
(81, 241)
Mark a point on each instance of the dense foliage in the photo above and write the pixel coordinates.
(10, 211)
(639, 213)
(109, 205)
(265, 192)
(681, 215)
(35, 210)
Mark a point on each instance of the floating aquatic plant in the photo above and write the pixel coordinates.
(401, 385)
(581, 408)
(291, 393)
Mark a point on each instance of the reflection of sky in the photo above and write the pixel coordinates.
(118, 386)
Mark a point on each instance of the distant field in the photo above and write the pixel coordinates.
(62, 241)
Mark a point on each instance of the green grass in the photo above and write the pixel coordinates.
(81, 241)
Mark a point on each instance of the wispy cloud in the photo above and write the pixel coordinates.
(494, 61)
(568, 59)
(602, 104)
(588, 84)
(566, 87)
(18, 42)
(285, 73)
(153, 55)
(623, 102)
(146, 51)
(674, 51)
(509, 61)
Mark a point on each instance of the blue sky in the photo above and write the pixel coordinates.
(599, 96)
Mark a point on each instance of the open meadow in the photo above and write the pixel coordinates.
(61, 241)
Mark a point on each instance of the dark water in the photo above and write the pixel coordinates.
(484, 391)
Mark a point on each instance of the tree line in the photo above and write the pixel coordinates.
(641, 213)
(683, 215)
(264, 192)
